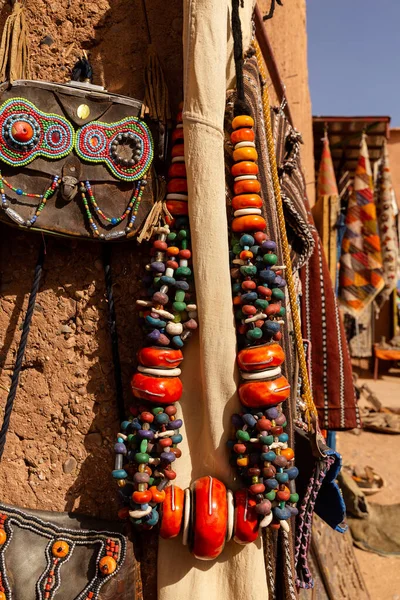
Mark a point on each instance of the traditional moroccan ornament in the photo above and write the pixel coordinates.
(260, 449)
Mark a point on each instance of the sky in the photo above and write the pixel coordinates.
(354, 57)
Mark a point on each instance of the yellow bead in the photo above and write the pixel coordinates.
(246, 153)
(242, 121)
(242, 462)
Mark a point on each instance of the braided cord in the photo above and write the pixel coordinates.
(21, 350)
(307, 396)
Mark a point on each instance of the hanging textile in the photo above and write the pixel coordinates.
(361, 276)
(325, 211)
(386, 212)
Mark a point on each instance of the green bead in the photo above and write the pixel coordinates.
(270, 496)
(171, 236)
(294, 498)
(151, 481)
(182, 234)
(184, 244)
(179, 295)
(239, 315)
(248, 270)
(261, 304)
(183, 272)
(282, 312)
(143, 446)
(157, 410)
(270, 259)
(243, 436)
(156, 280)
(254, 334)
(177, 318)
(179, 306)
(236, 249)
(131, 438)
(278, 294)
(266, 439)
(142, 457)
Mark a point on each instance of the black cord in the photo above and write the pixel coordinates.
(270, 14)
(240, 107)
(82, 70)
(21, 349)
(119, 388)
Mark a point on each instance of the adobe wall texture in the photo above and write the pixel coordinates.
(59, 451)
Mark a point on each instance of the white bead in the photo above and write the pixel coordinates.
(169, 272)
(174, 328)
(247, 211)
(164, 288)
(143, 303)
(178, 159)
(191, 307)
(186, 518)
(231, 514)
(239, 261)
(245, 177)
(256, 317)
(179, 126)
(266, 520)
(163, 434)
(164, 313)
(285, 525)
(192, 314)
(137, 514)
(245, 145)
(185, 335)
(164, 229)
(183, 197)
(160, 372)
(261, 374)
(183, 262)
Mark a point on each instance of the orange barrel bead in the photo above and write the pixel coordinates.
(258, 358)
(159, 390)
(178, 150)
(210, 517)
(177, 207)
(248, 223)
(245, 529)
(244, 168)
(177, 169)
(245, 153)
(246, 201)
(247, 186)
(164, 358)
(3, 537)
(177, 134)
(107, 565)
(172, 512)
(142, 497)
(242, 121)
(242, 135)
(254, 394)
(158, 496)
(2, 596)
(177, 186)
(288, 453)
(60, 549)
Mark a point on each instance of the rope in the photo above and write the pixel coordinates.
(21, 350)
(14, 48)
(119, 389)
(271, 11)
(240, 107)
(310, 410)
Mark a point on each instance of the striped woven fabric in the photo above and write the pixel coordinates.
(361, 275)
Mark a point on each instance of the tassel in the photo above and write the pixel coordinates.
(158, 213)
(156, 95)
(14, 49)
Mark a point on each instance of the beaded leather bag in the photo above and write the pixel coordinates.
(75, 160)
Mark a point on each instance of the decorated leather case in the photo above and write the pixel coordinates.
(75, 160)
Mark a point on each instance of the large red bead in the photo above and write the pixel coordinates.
(177, 186)
(158, 390)
(210, 517)
(246, 521)
(258, 358)
(22, 131)
(163, 358)
(172, 512)
(254, 394)
(177, 207)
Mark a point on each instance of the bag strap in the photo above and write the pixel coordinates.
(21, 348)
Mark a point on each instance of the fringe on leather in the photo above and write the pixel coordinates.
(158, 213)
(14, 48)
(156, 95)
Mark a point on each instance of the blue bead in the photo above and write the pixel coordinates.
(272, 413)
(249, 420)
(119, 474)
(182, 285)
(176, 439)
(292, 472)
(125, 425)
(161, 419)
(282, 477)
(19, 191)
(152, 518)
(136, 425)
(120, 448)
(269, 456)
(155, 322)
(114, 221)
(168, 456)
(177, 424)
(271, 327)
(271, 484)
(249, 297)
(267, 275)
(282, 513)
(176, 340)
(283, 438)
(167, 280)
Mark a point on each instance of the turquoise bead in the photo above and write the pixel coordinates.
(243, 436)
(282, 477)
(153, 518)
(167, 280)
(179, 306)
(283, 438)
(246, 240)
(176, 340)
(254, 334)
(248, 270)
(177, 438)
(119, 474)
(162, 418)
(125, 425)
(268, 456)
(266, 439)
(158, 323)
(183, 272)
(142, 457)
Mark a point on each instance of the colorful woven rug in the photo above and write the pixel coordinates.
(361, 274)
(386, 212)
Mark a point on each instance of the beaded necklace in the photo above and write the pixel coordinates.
(132, 208)
(12, 213)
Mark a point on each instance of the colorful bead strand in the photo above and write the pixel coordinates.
(148, 443)
(260, 449)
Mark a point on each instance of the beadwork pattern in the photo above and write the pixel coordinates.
(99, 142)
(27, 133)
(110, 545)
